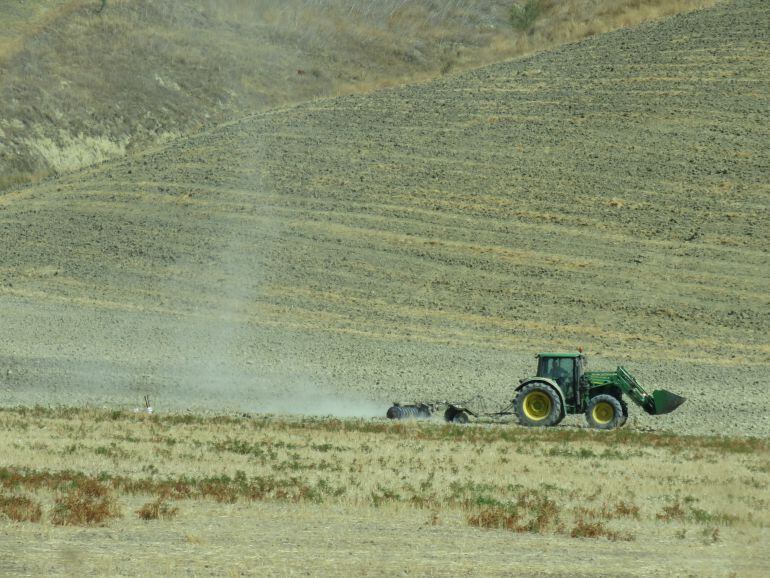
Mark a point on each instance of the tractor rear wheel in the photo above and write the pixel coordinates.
(538, 405)
(605, 412)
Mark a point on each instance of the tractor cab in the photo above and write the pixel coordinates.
(565, 369)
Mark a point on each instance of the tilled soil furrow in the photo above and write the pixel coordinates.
(425, 241)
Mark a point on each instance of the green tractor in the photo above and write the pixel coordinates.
(563, 386)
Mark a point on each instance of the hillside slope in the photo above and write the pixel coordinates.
(82, 81)
(424, 241)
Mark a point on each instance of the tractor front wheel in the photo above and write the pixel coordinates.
(538, 405)
(605, 412)
(624, 407)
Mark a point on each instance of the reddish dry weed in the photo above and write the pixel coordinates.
(90, 503)
(20, 509)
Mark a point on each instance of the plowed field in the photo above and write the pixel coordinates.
(423, 242)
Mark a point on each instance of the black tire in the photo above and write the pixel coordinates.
(624, 407)
(605, 412)
(454, 415)
(460, 417)
(538, 405)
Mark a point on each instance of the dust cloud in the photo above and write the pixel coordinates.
(215, 355)
(219, 385)
(314, 400)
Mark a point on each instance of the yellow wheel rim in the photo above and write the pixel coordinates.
(537, 406)
(603, 412)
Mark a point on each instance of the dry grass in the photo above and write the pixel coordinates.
(494, 476)
(158, 508)
(25, 20)
(88, 502)
(583, 529)
(189, 471)
(20, 508)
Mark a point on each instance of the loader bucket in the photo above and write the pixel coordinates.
(665, 401)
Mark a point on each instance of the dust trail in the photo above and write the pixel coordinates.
(303, 398)
(315, 401)
(218, 385)
(221, 355)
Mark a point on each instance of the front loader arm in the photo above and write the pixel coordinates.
(660, 402)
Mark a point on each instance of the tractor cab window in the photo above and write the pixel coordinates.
(561, 370)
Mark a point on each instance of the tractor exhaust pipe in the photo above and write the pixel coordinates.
(397, 411)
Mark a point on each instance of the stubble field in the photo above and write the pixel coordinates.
(259, 495)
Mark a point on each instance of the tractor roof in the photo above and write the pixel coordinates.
(559, 354)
